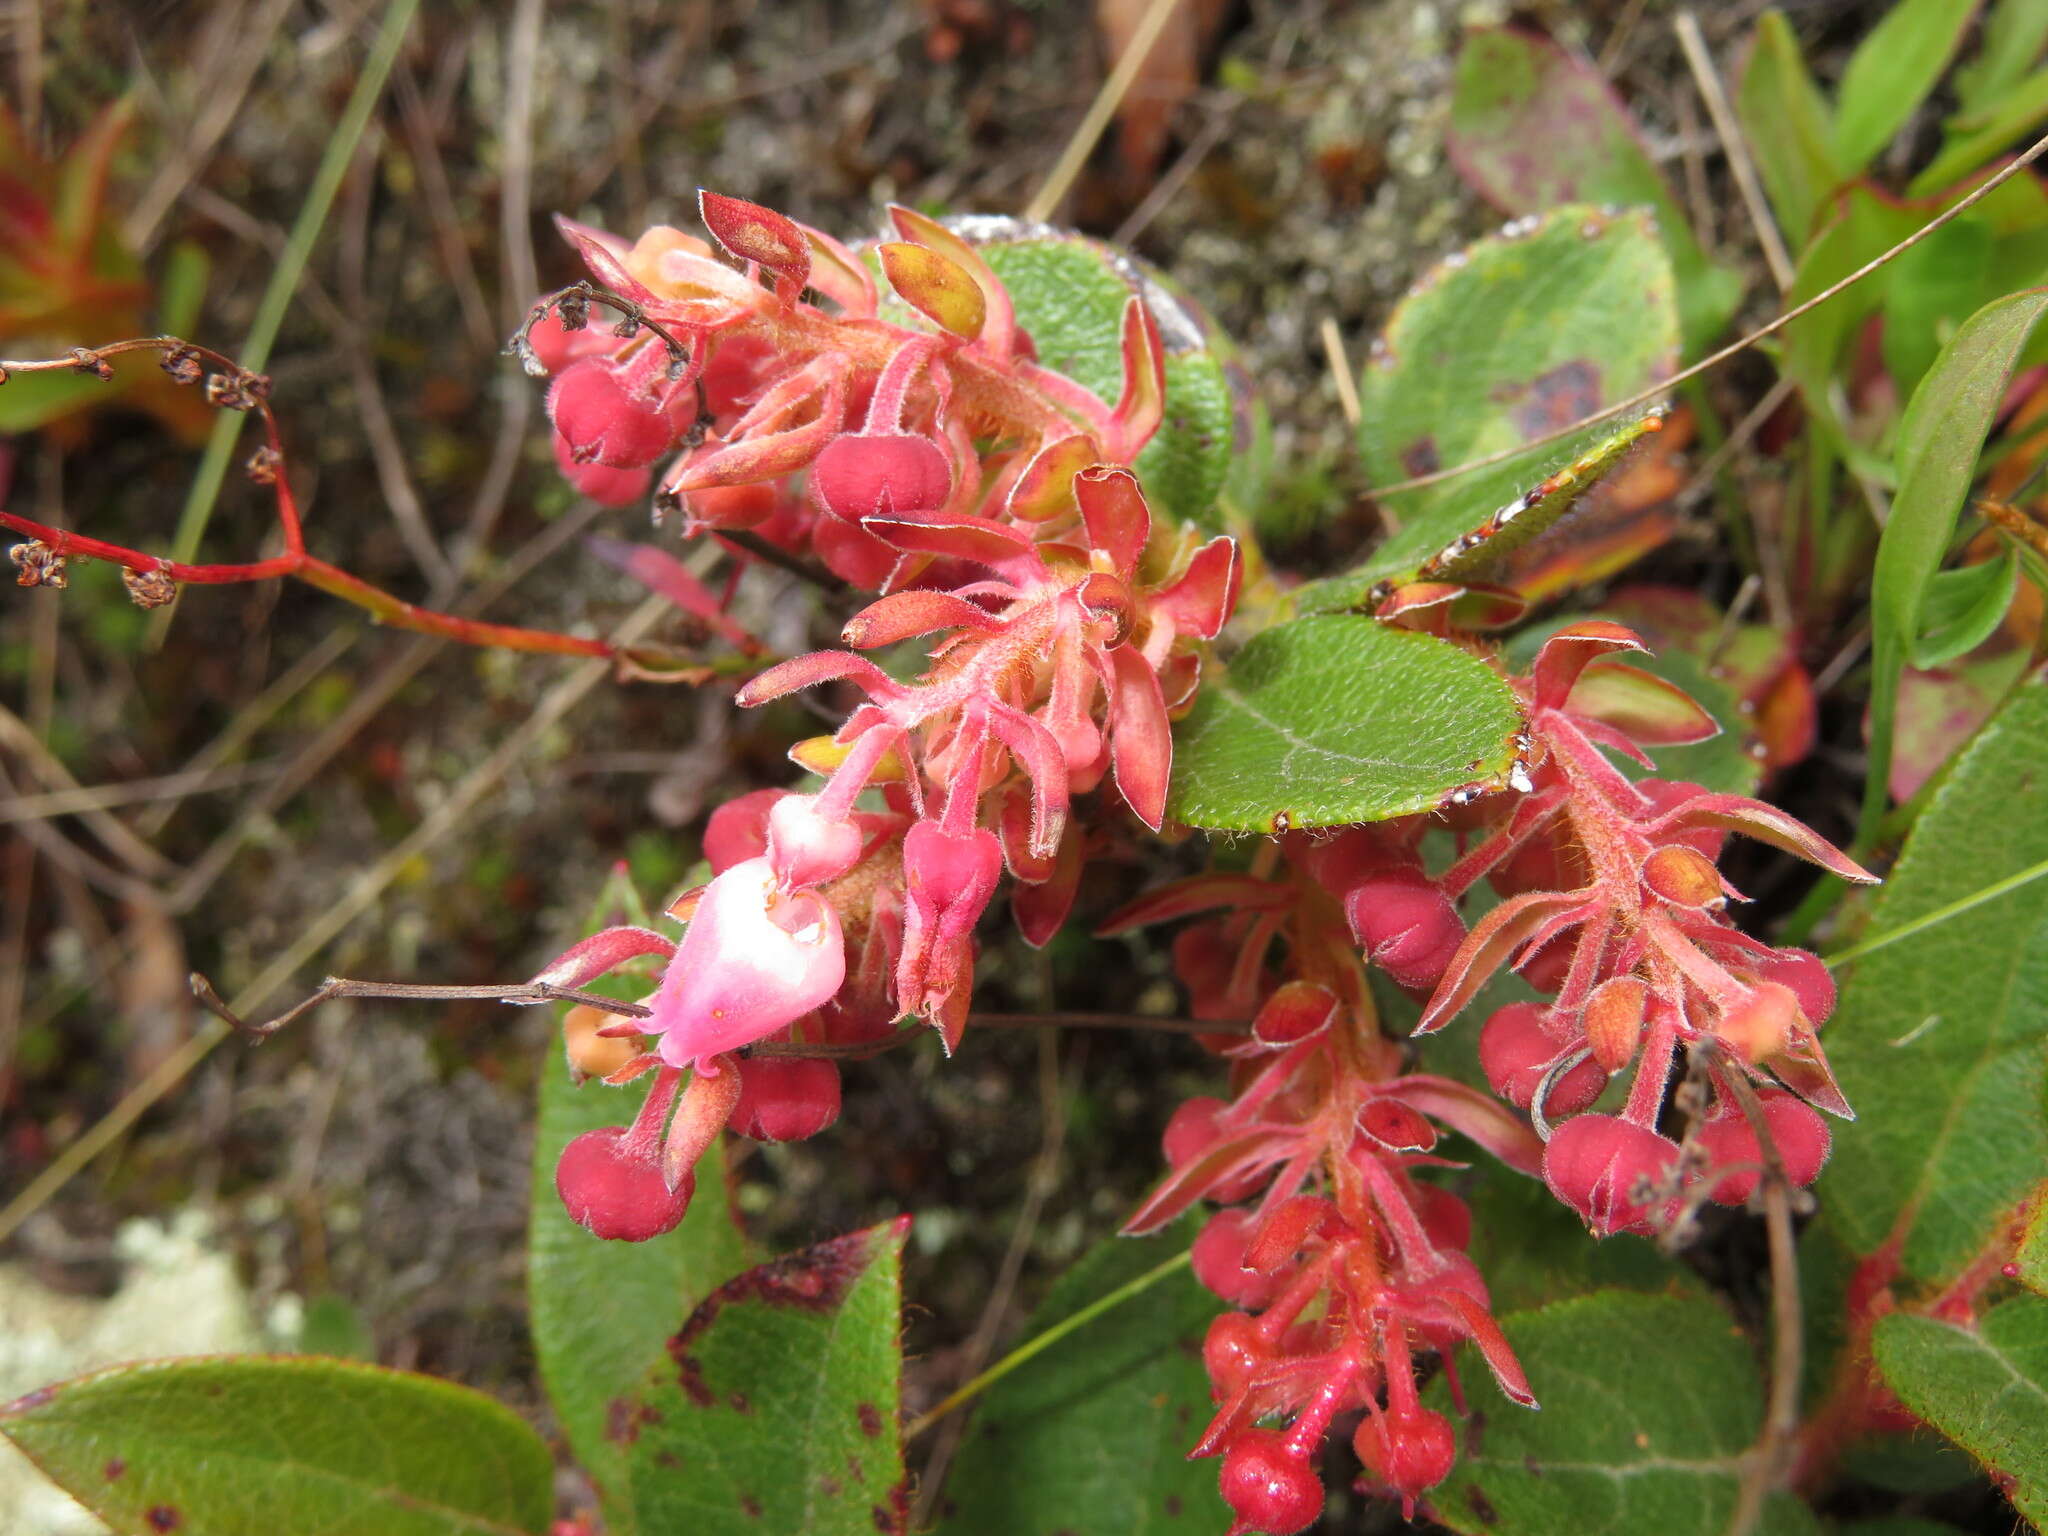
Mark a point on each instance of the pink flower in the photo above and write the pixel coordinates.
(756, 957)
(947, 881)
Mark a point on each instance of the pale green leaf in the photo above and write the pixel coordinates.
(1986, 1390)
(1789, 128)
(1891, 73)
(251, 1446)
(1339, 719)
(1649, 1403)
(1939, 1038)
(1523, 333)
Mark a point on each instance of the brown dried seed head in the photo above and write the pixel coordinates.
(38, 565)
(182, 364)
(88, 361)
(149, 589)
(264, 465)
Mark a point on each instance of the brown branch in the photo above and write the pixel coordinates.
(523, 994)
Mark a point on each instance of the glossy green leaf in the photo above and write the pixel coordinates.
(1339, 719)
(1533, 126)
(1091, 1437)
(1940, 438)
(1939, 1038)
(1523, 333)
(1649, 1404)
(1986, 1390)
(1790, 131)
(602, 1311)
(1963, 606)
(1892, 71)
(249, 1445)
(775, 1407)
(1070, 294)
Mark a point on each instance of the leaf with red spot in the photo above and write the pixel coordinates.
(251, 1445)
(777, 1407)
(590, 1357)
(758, 234)
(937, 286)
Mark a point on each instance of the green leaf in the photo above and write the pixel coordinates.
(248, 1445)
(776, 1407)
(1786, 120)
(1339, 719)
(1931, 290)
(600, 1311)
(2032, 1254)
(1070, 294)
(1987, 1390)
(1533, 126)
(1962, 607)
(182, 288)
(1891, 73)
(1091, 1437)
(2015, 33)
(2015, 116)
(1938, 1041)
(1532, 1250)
(1940, 438)
(1522, 333)
(1649, 1403)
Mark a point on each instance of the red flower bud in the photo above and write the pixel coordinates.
(1599, 1164)
(1727, 1138)
(1406, 925)
(881, 474)
(1233, 1350)
(604, 485)
(1515, 1051)
(1219, 1262)
(1407, 1450)
(601, 421)
(616, 1193)
(785, 1098)
(1269, 1486)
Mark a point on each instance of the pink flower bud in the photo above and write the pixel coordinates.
(602, 421)
(881, 474)
(1728, 1140)
(807, 848)
(1219, 1263)
(604, 485)
(1406, 925)
(1599, 1165)
(738, 829)
(1516, 1050)
(616, 1193)
(1809, 979)
(947, 881)
(755, 959)
(785, 1098)
(1761, 1024)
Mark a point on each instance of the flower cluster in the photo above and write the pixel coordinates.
(1344, 1266)
(990, 503)
(1614, 904)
